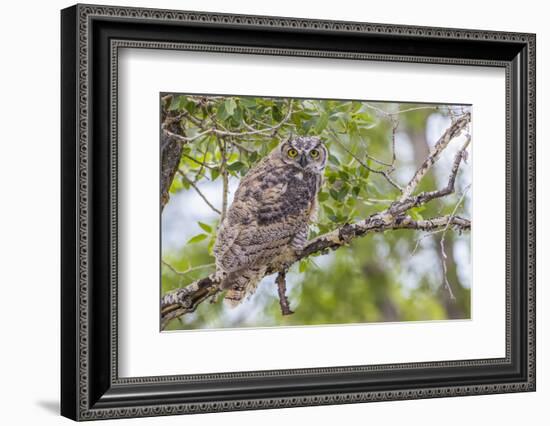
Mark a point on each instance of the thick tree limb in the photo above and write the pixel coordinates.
(170, 154)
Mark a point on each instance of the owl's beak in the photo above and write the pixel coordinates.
(303, 160)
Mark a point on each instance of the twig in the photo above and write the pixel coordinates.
(422, 238)
(239, 146)
(184, 139)
(188, 270)
(366, 166)
(281, 289)
(445, 278)
(391, 114)
(442, 245)
(200, 163)
(450, 187)
(395, 124)
(196, 188)
(225, 179)
(203, 165)
(270, 129)
(453, 131)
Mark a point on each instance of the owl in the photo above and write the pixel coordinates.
(268, 220)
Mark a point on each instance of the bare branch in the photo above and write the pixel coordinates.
(383, 113)
(225, 180)
(270, 129)
(366, 166)
(186, 300)
(450, 187)
(395, 124)
(196, 188)
(184, 139)
(442, 241)
(452, 132)
(446, 282)
(200, 163)
(188, 270)
(240, 147)
(281, 289)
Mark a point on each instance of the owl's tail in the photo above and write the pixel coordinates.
(240, 285)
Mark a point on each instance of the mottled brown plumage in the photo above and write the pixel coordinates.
(270, 214)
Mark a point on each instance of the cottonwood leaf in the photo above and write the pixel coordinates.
(197, 238)
(205, 227)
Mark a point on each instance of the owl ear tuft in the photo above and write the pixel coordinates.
(285, 141)
(290, 137)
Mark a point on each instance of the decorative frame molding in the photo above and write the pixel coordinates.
(91, 37)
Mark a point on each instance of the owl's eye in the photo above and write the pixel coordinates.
(314, 153)
(292, 153)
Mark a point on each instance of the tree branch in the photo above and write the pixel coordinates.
(225, 179)
(281, 289)
(216, 131)
(456, 128)
(366, 166)
(198, 191)
(187, 299)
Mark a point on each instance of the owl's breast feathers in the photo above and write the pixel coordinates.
(284, 194)
(272, 205)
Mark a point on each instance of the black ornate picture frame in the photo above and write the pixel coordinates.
(90, 39)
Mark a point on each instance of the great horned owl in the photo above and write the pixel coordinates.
(268, 219)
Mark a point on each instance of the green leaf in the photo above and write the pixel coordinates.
(323, 196)
(416, 212)
(253, 157)
(197, 239)
(323, 229)
(175, 103)
(211, 246)
(205, 227)
(248, 102)
(321, 123)
(334, 194)
(176, 186)
(334, 218)
(230, 106)
(236, 166)
(276, 113)
(415, 215)
(332, 159)
(343, 192)
(214, 173)
(303, 266)
(343, 175)
(351, 201)
(329, 211)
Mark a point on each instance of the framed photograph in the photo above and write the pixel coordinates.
(263, 212)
